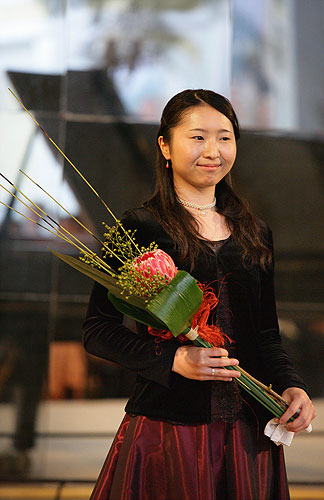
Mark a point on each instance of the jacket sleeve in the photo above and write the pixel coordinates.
(276, 361)
(105, 336)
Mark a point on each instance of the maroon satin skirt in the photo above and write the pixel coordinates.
(154, 460)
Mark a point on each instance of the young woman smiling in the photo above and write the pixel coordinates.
(188, 432)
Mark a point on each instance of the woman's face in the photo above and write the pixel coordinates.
(202, 148)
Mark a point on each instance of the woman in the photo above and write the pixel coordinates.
(188, 432)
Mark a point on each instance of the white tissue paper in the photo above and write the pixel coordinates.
(279, 434)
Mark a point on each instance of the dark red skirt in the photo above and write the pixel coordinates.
(154, 460)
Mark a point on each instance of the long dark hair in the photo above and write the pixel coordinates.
(175, 219)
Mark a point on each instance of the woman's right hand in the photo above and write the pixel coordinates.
(201, 363)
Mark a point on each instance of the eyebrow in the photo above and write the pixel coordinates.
(203, 130)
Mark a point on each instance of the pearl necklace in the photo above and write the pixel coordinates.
(201, 208)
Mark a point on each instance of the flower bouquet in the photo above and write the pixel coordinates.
(146, 286)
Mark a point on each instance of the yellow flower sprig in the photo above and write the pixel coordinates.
(131, 277)
(119, 243)
(133, 282)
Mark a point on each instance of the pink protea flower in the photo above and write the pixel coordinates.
(152, 263)
(151, 272)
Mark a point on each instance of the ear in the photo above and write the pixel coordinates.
(165, 149)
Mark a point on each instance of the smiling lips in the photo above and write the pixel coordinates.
(209, 166)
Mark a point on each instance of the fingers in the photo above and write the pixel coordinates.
(204, 364)
(212, 362)
(291, 410)
(223, 362)
(216, 373)
(303, 420)
(299, 402)
(217, 352)
(218, 357)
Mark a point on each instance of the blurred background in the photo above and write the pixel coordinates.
(96, 74)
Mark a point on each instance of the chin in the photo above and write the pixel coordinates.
(209, 183)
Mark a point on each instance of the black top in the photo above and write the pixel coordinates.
(162, 394)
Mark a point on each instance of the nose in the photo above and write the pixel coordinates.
(211, 150)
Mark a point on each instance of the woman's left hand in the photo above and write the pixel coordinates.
(297, 399)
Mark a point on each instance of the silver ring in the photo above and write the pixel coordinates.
(213, 372)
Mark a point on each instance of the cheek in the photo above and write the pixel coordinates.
(183, 154)
(230, 153)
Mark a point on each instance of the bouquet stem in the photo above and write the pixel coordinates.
(262, 393)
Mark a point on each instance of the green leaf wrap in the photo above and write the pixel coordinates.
(139, 314)
(178, 302)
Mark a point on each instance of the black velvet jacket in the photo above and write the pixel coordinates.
(162, 394)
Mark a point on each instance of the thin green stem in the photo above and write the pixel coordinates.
(40, 216)
(263, 394)
(102, 264)
(74, 218)
(85, 249)
(257, 392)
(52, 198)
(75, 168)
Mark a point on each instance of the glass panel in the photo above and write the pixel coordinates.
(263, 79)
(33, 42)
(131, 57)
(277, 64)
